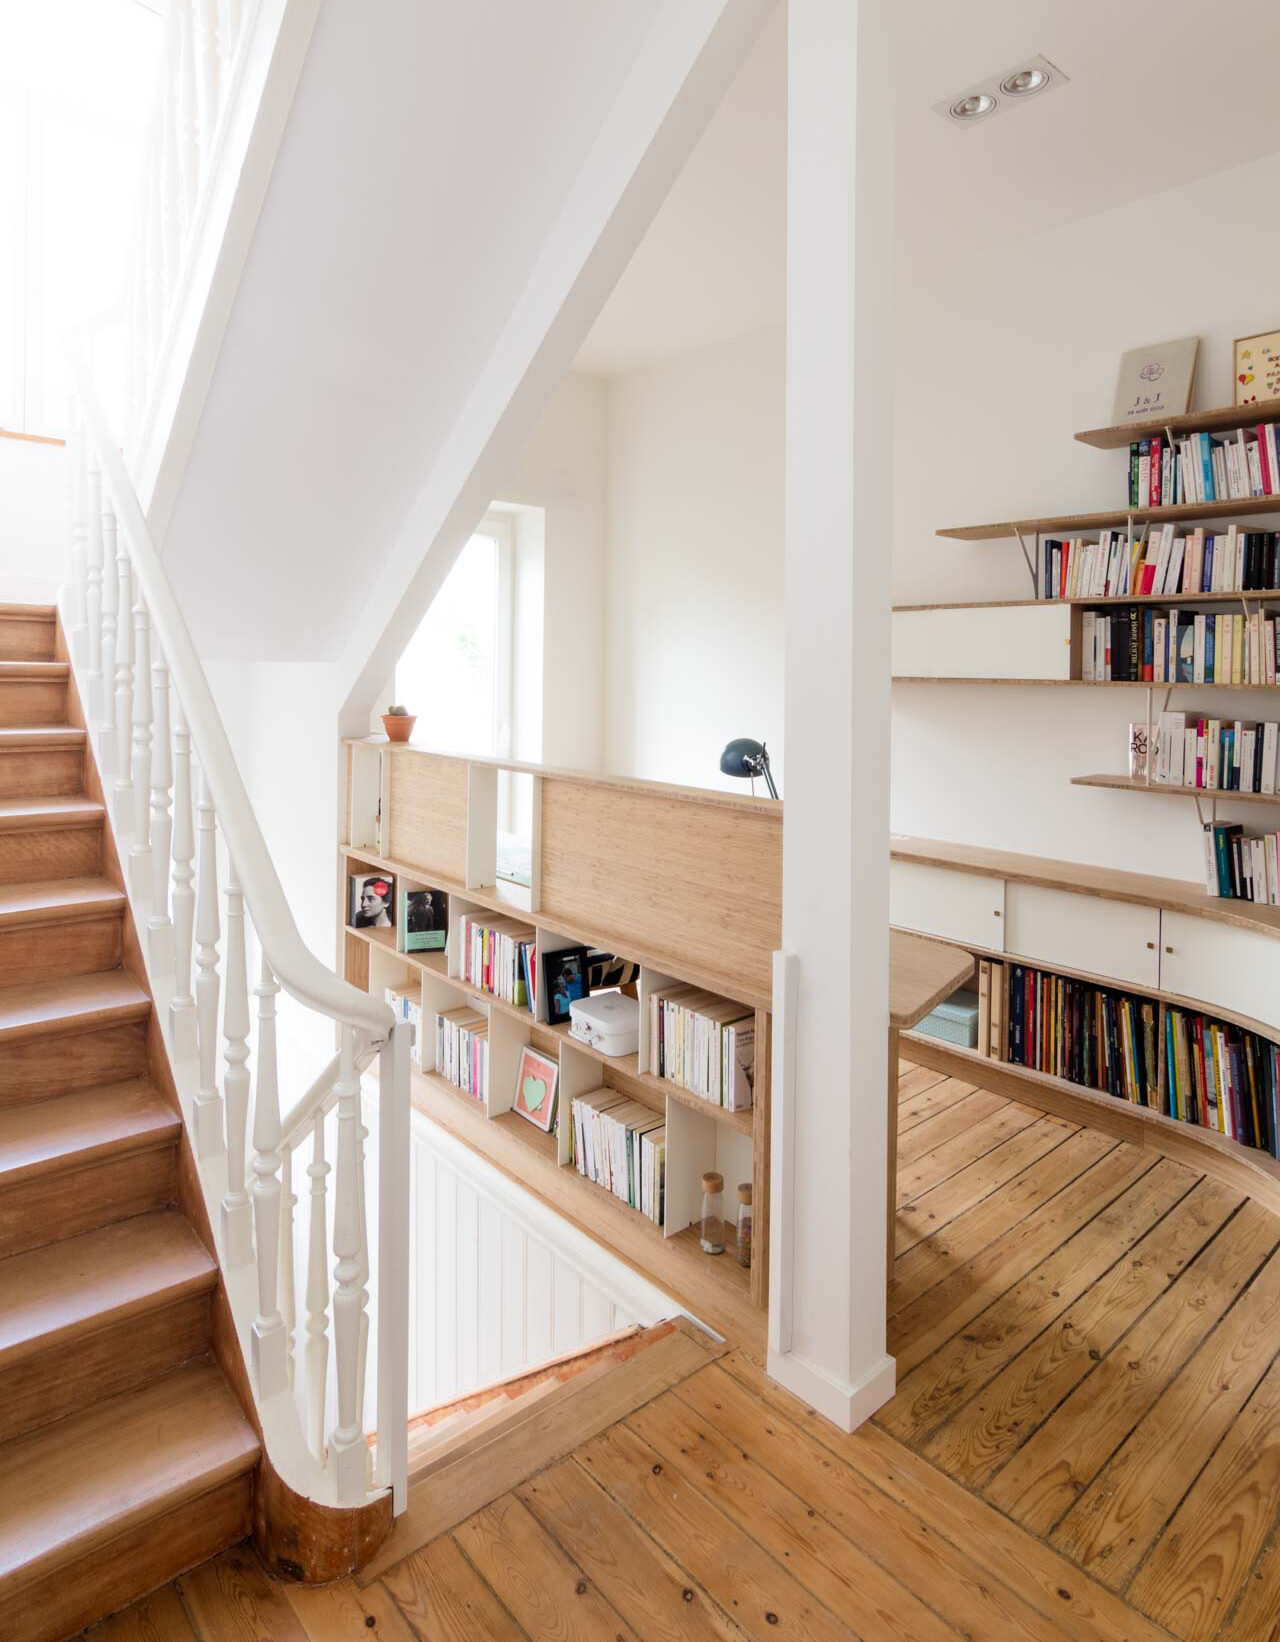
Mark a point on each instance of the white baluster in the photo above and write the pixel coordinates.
(208, 1102)
(237, 1238)
(93, 597)
(122, 792)
(393, 1264)
(316, 1351)
(288, 1303)
(79, 539)
(186, 94)
(159, 925)
(140, 830)
(348, 1450)
(207, 67)
(270, 1369)
(110, 626)
(182, 1007)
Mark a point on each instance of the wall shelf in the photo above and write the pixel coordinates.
(1072, 524)
(1087, 683)
(1266, 595)
(1132, 783)
(1223, 420)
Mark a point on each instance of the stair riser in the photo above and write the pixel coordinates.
(41, 772)
(57, 1603)
(26, 638)
(61, 852)
(54, 1206)
(71, 1375)
(47, 952)
(32, 700)
(58, 1061)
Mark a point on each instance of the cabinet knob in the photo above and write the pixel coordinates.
(1151, 946)
(996, 913)
(1169, 950)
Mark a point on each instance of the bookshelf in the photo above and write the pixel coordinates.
(1242, 507)
(1223, 420)
(684, 885)
(1131, 783)
(1162, 939)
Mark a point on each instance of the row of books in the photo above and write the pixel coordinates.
(1133, 645)
(1204, 467)
(622, 1146)
(703, 1043)
(1194, 1068)
(462, 1050)
(1223, 1077)
(1216, 755)
(1237, 868)
(499, 956)
(1200, 561)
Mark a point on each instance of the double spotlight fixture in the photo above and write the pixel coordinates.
(994, 96)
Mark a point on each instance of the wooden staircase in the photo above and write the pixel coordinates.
(125, 1458)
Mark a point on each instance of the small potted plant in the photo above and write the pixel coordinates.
(398, 722)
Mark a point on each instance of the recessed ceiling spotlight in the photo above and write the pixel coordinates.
(1001, 92)
(1024, 81)
(972, 108)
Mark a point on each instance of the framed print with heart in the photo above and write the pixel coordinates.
(536, 1079)
(1257, 367)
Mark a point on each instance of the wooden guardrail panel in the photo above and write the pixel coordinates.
(426, 823)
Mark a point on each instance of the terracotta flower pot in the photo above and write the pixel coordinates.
(399, 726)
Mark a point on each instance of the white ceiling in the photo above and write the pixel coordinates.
(1158, 96)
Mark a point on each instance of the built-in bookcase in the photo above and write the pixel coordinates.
(611, 871)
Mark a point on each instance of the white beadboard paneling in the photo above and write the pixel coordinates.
(1022, 641)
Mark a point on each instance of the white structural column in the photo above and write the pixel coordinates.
(827, 1272)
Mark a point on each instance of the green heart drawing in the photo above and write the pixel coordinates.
(533, 1092)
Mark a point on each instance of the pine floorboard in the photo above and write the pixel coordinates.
(1085, 1444)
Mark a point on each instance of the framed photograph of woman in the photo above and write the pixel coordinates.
(568, 977)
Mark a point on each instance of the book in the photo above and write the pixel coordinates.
(371, 900)
(422, 924)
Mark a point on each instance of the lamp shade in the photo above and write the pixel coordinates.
(743, 757)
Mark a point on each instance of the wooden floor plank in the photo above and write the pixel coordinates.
(1189, 1581)
(231, 1599)
(959, 1118)
(998, 1549)
(925, 1092)
(1000, 1415)
(1056, 1464)
(918, 1270)
(537, 1583)
(342, 1611)
(946, 1157)
(159, 1617)
(445, 1600)
(930, 1212)
(1256, 1614)
(648, 1588)
(830, 1565)
(762, 1596)
(918, 1331)
(1116, 1520)
(444, 1498)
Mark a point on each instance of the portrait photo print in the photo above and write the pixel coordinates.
(371, 900)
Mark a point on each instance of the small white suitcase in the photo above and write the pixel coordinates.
(609, 1022)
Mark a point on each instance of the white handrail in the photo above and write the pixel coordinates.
(295, 966)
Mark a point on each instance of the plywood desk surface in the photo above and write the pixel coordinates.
(922, 972)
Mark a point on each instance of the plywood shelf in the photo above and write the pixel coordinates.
(1265, 595)
(1223, 420)
(1087, 683)
(1072, 524)
(715, 1288)
(1130, 783)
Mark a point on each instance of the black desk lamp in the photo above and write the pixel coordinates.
(748, 759)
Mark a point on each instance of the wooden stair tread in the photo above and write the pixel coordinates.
(81, 1001)
(29, 612)
(49, 899)
(27, 814)
(50, 1295)
(69, 1489)
(48, 670)
(69, 1131)
(40, 735)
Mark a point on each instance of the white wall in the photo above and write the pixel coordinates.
(34, 539)
(693, 644)
(1004, 354)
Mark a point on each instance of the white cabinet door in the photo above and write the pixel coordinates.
(1011, 641)
(1222, 965)
(957, 906)
(1112, 938)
